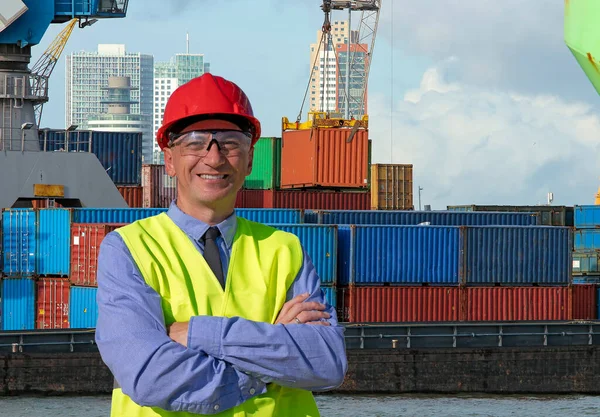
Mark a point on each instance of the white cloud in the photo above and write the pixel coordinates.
(471, 145)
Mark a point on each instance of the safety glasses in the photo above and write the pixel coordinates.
(198, 142)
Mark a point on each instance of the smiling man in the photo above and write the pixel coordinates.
(200, 311)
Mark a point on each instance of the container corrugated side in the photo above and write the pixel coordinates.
(321, 200)
(266, 165)
(159, 189)
(548, 215)
(435, 218)
(399, 304)
(518, 303)
(587, 217)
(117, 215)
(330, 296)
(255, 199)
(587, 239)
(586, 262)
(371, 255)
(518, 255)
(132, 194)
(18, 304)
(320, 243)
(391, 187)
(83, 309)
(19, 241)
(52, 300)
(584, 302)
(272, 216)
(53, 254)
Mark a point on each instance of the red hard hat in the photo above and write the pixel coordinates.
(206, 97)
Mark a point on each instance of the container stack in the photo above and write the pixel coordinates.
(586, 251)
(159, 188)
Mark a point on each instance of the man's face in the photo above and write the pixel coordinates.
(214, 179)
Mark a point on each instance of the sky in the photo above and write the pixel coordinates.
(482, 97)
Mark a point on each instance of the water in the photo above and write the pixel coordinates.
(349, 406)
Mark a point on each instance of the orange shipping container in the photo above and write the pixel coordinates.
(399, 304)
(159, 188)
(132, 195)
(391, 187)
(324, 158)
(52, 303)
(85, 245)
(584, 302)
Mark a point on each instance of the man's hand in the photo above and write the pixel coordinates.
(178, 331)
(296, 311)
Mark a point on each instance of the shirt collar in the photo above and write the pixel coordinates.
(195, 228)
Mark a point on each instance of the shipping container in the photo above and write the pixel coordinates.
(586, 240)
(375, 255)
(272, 216)
(132, 194)
(19, 241)
(586, 262)
(322, 200)
(52, 303)
(42, 203)
(435, 218)
(320, 243)
(53, 249)
(18, 304)
(585, 300)
(266, 165)
(517, 255)
(330, 294)
(83, 308)
(255, 199)
(324, 158)
(113, 215)
(391, 187)
(85, 247)
(159, 188)
(547, 215)
(587, 217)
(399, 304)
(120, 153)
(518, 303)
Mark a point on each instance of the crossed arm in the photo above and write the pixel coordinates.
(209, 360)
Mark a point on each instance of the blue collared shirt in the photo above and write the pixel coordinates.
(228, 360)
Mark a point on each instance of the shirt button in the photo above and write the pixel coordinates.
(216, 407)
(252, 391)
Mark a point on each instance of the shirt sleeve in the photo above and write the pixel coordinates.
(151, 368)
(304, 356)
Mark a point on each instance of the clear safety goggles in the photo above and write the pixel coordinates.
(199, 142)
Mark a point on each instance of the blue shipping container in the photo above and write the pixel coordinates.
(434, 218)
(320, 242)
(587, 217)
(19, 242)
(53, 249)
(586, 262)
(117, 215)
(272, 216)
(518, 255)
(120, 153)
(83, 309)
(587, 239)
(399, 255)
(18, 304)
(330, 296)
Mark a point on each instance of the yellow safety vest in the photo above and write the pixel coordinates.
(172, 265)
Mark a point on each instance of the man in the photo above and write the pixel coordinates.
(202, 312)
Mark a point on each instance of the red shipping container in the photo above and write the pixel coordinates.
(159, 188)
(584, 302)
(518, 303)
(132, 194)
(254, 199)
(324, 158)
(85, 246)
(52, 303)
(322, 200)
(399, 304)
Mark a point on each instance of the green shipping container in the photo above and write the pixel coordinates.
(266, 168)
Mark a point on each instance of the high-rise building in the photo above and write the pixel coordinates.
(328, 81)
(87, 77)
(167, 77)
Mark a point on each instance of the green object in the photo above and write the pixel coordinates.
(582, 36)
(266, 167)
